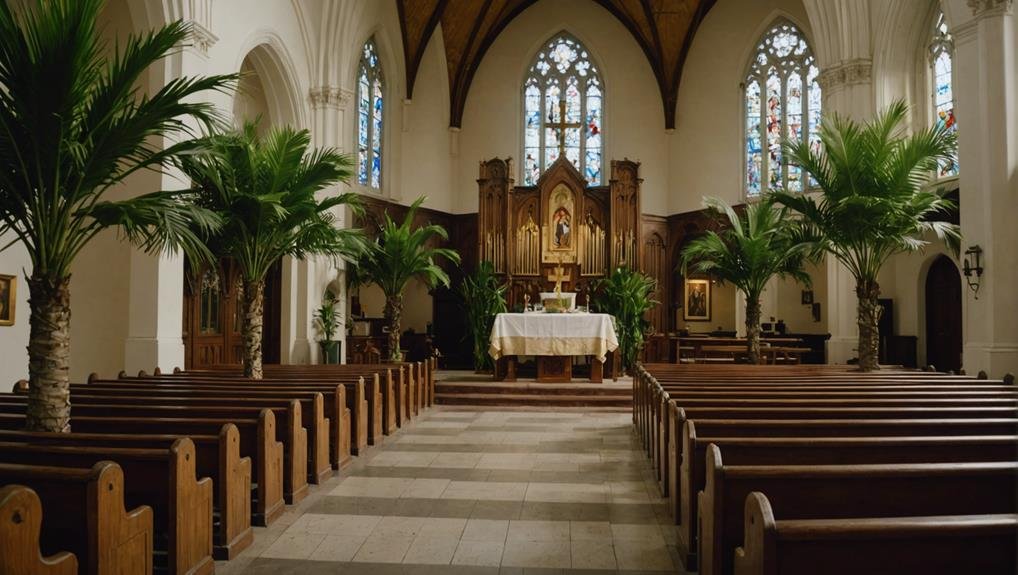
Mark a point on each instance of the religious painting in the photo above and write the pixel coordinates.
(697, 298)
(8, 295)
(559, 229)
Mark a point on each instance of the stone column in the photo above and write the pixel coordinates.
(986, 91)
(156, 296)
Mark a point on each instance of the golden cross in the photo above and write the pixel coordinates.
(561, 127)
(558, 276)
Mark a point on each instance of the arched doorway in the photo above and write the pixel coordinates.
(943, 315)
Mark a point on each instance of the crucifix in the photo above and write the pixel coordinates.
(559, 275)
(561, 126)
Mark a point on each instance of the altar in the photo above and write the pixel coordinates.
(555, 339)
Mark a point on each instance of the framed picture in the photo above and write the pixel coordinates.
(697, 300)
(8, 297)
(807, 297)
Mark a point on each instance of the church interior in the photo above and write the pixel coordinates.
(509, 286)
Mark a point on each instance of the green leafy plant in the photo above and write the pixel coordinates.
(750, 250)
(401, 252)
(265, 189)
(76, 124)
(484, 298)
(873, 201)
(626, 295)
(327, 317)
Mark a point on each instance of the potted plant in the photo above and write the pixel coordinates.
(874, 201)
(326, 322)
(483, 299)
(77, 123)
(268, 192)
(626, 296)
(753, 248)
(401, 252)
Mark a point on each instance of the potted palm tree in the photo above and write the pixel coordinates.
(76, 125)
(326, 322)
(626, 295)
(874, 200)
(265, 189)
(401, 252)
(748, 252)
(483, 298)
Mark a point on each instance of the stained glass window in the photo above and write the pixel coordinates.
(370, 117)
(563, 111)
(943, 89)
(782, 100)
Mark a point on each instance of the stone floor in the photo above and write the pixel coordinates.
(488, 492)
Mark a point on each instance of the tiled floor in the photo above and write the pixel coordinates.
(489, 492)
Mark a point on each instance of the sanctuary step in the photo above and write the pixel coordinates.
(468, 389)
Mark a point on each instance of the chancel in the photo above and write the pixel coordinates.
(428, 286)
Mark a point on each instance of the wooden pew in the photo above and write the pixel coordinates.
(337, 414)
(217, 457)
(92, 521)
(312, 412)
(843, 491)
(360, 399)
(389, 390)
(20, 524)
(290, 430)
(164, 479)
(769, 450)
(943, 545)
(257, 441)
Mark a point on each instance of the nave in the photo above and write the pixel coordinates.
(465, 491)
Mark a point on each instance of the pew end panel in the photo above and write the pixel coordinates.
(190, 514)
(757, 555)
(270, 487)
(235, 532)
(124, 539)
(21, 517)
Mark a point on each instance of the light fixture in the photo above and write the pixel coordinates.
(973, 265)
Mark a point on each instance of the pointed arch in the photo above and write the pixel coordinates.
(941, 58)
(781, 99)
(370, 116)
(563, 110)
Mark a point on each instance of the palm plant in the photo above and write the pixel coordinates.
(626, 295)
(75, 125)
(874, 200)
(401, 252)
(484, 298)
(264, 189)
(750, 250)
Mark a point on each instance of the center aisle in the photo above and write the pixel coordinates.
(486, 492)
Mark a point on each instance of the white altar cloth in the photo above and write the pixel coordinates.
(560, 334)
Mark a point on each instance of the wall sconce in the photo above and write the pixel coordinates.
(973, 265)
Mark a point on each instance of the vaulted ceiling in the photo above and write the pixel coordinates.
(664, 30)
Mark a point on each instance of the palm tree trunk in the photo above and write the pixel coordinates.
(753, 330)
(869, 318)
(394, 312)
(49, 354)
(254, 300)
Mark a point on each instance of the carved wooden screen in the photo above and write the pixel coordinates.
(494, 183)
(625, 213)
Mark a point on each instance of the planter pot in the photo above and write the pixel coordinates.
(331, 352)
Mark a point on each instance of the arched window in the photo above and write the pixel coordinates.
(370, 93)
(941, 49)
(563, 110)
(782, 99)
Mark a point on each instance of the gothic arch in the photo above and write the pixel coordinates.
(768, 22)
(276, 69)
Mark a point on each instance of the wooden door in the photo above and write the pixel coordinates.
(943, 315)
(212, 318)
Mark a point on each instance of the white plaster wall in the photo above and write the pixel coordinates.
(706, 155)
(634, 117)
(14, 261)
(418, 306)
